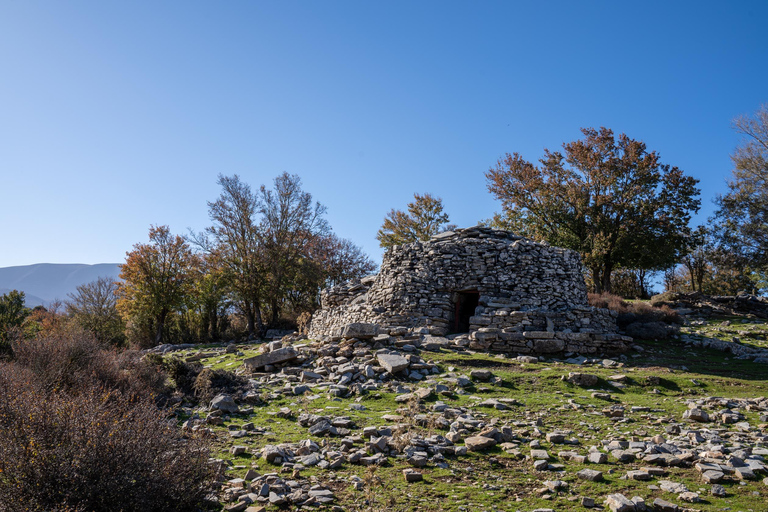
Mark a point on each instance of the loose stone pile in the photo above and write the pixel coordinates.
(507, 293)
(712, 439)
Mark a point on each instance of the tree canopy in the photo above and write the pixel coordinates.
(606, 197)
(275, 248)
(423, 219)
(94, 308)
(156, 280)
(741, 220)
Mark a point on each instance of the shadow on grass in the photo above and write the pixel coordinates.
(676, 355)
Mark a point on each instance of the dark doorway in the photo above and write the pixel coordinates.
(464, 308)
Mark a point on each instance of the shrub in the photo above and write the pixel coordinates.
(607, 301)
(638, 319)
(97, 450)
(75, 360)
(182, 374)
(210, 383)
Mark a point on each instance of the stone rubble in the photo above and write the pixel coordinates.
(712, 439)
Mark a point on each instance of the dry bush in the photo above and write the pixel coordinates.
(210, 383)
(607, 301)
(194, 381)
(639, 319)
(183, 374)
(76, 360)
(94, 451)
(642, 312)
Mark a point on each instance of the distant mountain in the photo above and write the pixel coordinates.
(45, 282)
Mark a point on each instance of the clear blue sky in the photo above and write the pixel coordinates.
(118, 115)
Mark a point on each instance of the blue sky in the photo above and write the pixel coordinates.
(118, 115)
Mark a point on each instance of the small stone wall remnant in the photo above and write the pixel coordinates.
(509, 293)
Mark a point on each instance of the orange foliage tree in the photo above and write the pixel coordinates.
(156, 281)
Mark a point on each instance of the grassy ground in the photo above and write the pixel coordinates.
(658, 380)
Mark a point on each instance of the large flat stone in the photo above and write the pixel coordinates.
(590, 474)
(581, 379)
(359, 330)
(619, 503)
(479, 443)
(280, 355)
(393, 363)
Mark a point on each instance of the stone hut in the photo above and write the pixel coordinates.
(508, 294)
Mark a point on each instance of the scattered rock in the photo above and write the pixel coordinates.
(581, 379)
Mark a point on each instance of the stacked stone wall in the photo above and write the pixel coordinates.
(523, 288)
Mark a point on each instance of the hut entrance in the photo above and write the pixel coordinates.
(464, 304)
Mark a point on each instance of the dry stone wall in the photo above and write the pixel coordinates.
(508, 293)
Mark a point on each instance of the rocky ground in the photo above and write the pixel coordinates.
(406, 421)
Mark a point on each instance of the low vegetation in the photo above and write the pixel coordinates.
(653, 386)
(82, 431)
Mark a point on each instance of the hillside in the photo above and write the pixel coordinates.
(44, 282)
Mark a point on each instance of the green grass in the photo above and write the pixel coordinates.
(660, 378)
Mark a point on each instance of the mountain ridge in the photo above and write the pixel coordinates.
(43, 283)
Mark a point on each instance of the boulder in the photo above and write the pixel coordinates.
(360, 330)
(393, 363)
(620, 503)
(224, 403)
(590, 475)
(696, 414)
(479, 443)
(581, 379)
(280, 355)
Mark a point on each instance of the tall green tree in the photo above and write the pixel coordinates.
(424, 219)
(608, 198)
(741, 220)
(211, 295)
(156, 278)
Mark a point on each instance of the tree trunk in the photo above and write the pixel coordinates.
(214, 323)
(606, 277)
(159, 328)
(205, 320)
(259, 321)
(597, 285)
(275, 313)
(249, 315)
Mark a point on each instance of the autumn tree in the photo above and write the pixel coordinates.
(235, 236)
(341, 260)
(741, 221)
(93, 307)
(329, 260)
(156, 280)
(607, 198)
(424, 219)
(712, 271)
(290, 221)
